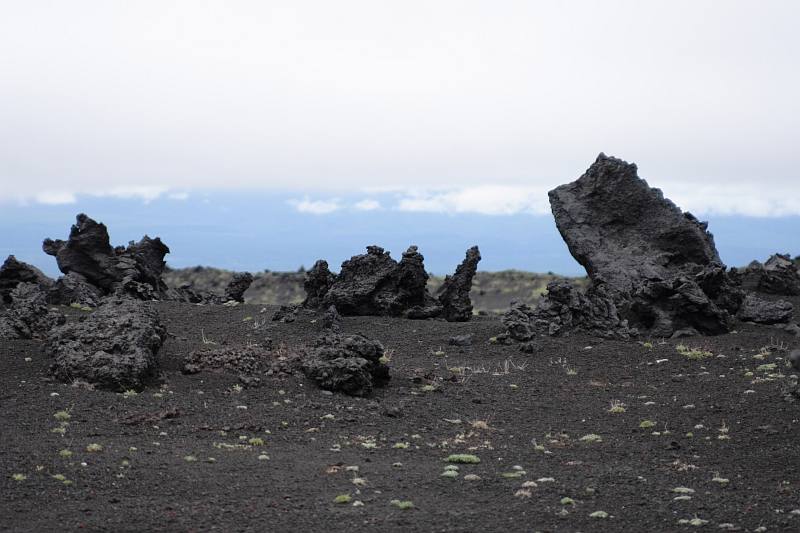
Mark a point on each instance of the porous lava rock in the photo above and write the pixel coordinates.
(652, 267)
(73, 288)
(454, 293)
(761, 311)
(114, 347)
(564, 309)
(351, 364)
(134, 270)
(28, 316)
(248, 362)
(374, 284)
(14, 272)
(778, 275)
(238, 286)
(317, 282)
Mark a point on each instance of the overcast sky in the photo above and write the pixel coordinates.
(460, 106)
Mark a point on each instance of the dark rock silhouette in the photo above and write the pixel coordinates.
(28, 316)
(115, 347)
(73, 288)
(454, 292)
(564, 309)
(375, 284)
(14, 272)
(652, 267)
(238, 286)
(351, 364)
(134, 270)
(317, 282)
(761, 311)
(778, 275)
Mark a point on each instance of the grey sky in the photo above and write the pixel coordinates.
(138, 97)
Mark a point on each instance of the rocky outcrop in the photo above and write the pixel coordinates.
(317, 282)
(352, 364)
(375, 284)
(115, 346)
(565, 309)
(134, 270)
(249, 362)
(454, 292)
(28, 316)
(238, 286)
(653, 268)
(14, 272)
(778, 275)
(73, 288)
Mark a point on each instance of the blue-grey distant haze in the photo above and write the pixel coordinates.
(255, 134)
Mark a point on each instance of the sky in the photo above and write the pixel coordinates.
(442, 109)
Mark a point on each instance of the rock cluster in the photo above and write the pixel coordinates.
(375, 284)
(352, 364)
(27, 315)
(14, 272)
(87, 254)
(652, 267)
(778, 275)
(114, 347)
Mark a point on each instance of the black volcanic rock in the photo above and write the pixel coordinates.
(351, 364)
(73, 288)
(564, 309)
(778, 275)
(115, 347)
(454, 292)
(28, 316)
(238, 286)
(761, 311)
(317, 282)
(134, 270)
(375, 284)
(14, 272)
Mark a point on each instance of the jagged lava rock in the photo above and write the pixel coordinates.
(375, 284)
(135, 269)
(317, 282)
(114, 347)
(238, 286)
(650, 257)
(453, 295)
(778, 275)
(28, 316)
(351, 364)
(14, 272)
(761, 311)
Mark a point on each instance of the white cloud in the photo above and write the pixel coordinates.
(55, 198)
(484, 200)
(368, 204)
(147, 193)
(179, 196)
(316, 207)
(747, 199)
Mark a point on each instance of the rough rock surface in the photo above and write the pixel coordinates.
(778, 275)
(760, 311)
(563, 309)
(454, 292)
(28, 316)
(350, 364)
(134, 270)
(248, 362)
(332, 320)
(115, 346)
(651, 265)
(73, 288)
(317, 283)
(14, 272)
(375, 284)
(237, 287)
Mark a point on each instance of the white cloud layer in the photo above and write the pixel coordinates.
(316, 207)
(482, 106)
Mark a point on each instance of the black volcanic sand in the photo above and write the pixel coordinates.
(178, 456)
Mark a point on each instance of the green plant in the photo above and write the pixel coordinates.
(464, 458)
(647, 424)
(402, 504)
(342, 499)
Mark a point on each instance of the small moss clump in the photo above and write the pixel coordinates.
(402, 504)
(62, 416)
(647, 424)
(342, 499)
(94, 448)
